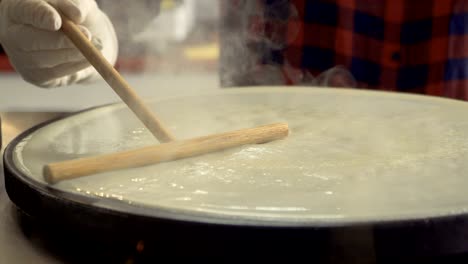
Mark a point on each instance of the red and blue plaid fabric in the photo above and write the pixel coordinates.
(418, 46)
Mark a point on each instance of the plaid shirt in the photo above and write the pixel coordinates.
(418, 46)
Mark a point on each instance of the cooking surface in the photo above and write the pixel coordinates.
(15, 247)
(351, 156)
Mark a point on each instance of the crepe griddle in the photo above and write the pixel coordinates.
(84, 223)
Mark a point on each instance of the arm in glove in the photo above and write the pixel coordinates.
(43, 55)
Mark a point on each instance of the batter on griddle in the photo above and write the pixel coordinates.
(349, 156)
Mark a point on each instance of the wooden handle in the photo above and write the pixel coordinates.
(116, 81)
(174, 150)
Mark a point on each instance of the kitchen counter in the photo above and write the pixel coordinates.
(19, 96)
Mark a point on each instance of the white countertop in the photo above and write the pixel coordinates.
(17, 95)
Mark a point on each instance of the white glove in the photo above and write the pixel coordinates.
(43, 55)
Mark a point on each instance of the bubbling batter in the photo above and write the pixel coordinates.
(351, 155)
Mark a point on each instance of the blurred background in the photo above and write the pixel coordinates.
(173, 35)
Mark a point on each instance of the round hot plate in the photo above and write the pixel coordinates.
(376, 174)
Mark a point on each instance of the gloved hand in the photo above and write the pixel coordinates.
(43, 55)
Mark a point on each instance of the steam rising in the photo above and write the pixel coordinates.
(253, 38)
